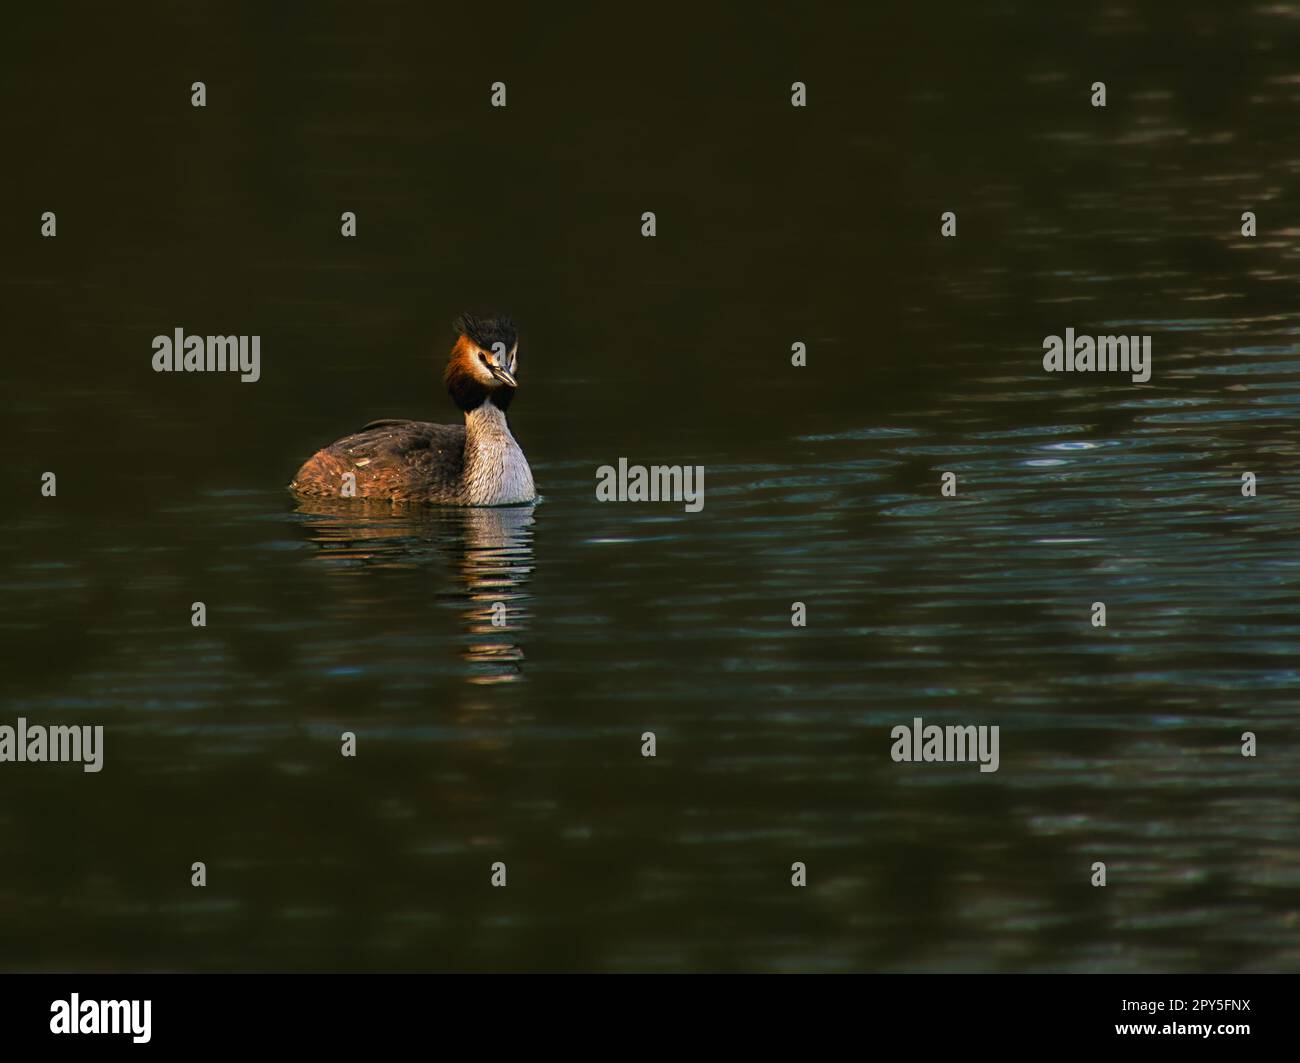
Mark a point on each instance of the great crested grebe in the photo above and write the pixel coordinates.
(474, 464)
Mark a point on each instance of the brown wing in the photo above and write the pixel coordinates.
(391, 459)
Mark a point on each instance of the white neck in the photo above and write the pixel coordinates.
(496, 471)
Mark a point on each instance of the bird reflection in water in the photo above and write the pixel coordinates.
(490, 549)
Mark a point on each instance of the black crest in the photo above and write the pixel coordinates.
(485, 331)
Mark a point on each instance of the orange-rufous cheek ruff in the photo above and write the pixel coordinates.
(469, 381)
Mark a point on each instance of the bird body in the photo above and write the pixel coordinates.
(478, 463)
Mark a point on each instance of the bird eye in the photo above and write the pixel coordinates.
(482, 357)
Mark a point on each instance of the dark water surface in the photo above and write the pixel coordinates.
(479, 744)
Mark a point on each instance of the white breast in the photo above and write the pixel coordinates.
(496, 471)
